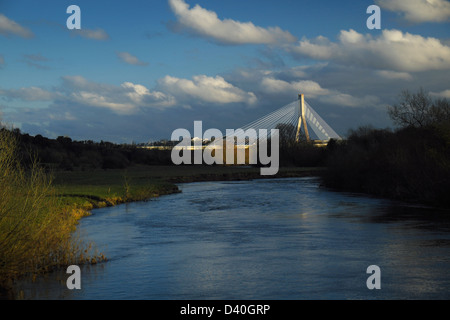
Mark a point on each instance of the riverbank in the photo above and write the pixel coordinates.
(79, 192)
(82, 191)
(86, 190)
(76, 193)
(252, 234)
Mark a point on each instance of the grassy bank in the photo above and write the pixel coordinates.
(98, 188)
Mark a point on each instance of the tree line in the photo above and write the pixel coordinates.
(63, 153)
(409, 163)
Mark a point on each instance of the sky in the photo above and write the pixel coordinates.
(137, 70)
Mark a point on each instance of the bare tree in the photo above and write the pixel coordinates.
(418, 110)
(412, 110)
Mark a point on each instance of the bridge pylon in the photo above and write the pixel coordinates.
(301, 119)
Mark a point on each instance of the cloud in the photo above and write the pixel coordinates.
(140, 95)
(127, 98)
(394, 75)
(29, 94)
(418, 11)
(130, 59)
(94, 99)
(443, 94)
(391, 50)
(205, 89)
(98, 34)
(35, 60)
(314, 90)
(207, 24)
(131, 98)
(2, 61)
(84, 109)
(320, 48)
(310, 88)
(10, 27)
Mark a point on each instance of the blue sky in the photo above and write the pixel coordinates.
(137, 70)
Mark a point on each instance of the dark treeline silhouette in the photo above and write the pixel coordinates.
(410, 163)
(65, 154)
(301, 153)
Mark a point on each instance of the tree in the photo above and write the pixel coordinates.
(287, 134)
(419, 110)
(440, 111)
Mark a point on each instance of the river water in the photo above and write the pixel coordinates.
(262, 239)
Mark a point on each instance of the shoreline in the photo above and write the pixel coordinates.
(165, 178)
(183, 174)
(81, 192)
(251, 174)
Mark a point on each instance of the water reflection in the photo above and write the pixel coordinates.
(262, 239)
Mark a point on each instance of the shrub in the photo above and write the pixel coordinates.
(35, 231)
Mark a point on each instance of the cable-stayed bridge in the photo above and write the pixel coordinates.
(249, 143)
(297, 116)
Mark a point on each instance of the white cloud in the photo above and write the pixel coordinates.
(320, 48)
(347, 100)
(205, 89)
(442, 94)
(314, 90)
(391, 50)
(93, 99)
(419, 10)
(130, 59)
(127, 98)
(130, 98)
(140, 95)
(29, 94)
(10, 27)
(206, 23)
(310, 88)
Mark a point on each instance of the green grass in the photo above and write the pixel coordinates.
(97, 188)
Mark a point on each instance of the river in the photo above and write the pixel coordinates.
(263, 239)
